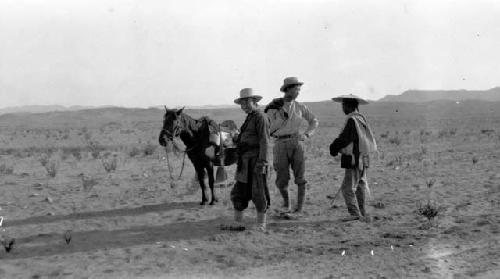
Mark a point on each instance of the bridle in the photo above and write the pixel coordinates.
(169, 136)
(176, 133)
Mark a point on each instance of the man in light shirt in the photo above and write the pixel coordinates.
(286, 116)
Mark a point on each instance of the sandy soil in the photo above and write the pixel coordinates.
(132, 224)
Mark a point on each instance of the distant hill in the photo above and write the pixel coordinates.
(420, 96)
(329, 113)
(45, 108)
(54, 108)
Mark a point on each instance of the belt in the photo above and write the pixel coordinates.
(285, 136)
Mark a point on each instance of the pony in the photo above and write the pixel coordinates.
(196, 135)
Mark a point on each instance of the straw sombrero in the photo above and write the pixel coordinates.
(341, 98)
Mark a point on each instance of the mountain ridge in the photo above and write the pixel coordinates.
(409, 96)
(422, 96)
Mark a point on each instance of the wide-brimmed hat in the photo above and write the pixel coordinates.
(289, 81)
(246, 93)
(341, 98)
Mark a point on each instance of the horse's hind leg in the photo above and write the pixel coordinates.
(200, 172)
(211, 180)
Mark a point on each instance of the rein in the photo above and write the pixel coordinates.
(183, 161)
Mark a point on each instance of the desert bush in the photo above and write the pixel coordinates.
(43, 159)
(429, 209)
(475, 159)
(64, 156)
(385, 135)
(127, 131)
(9, 151)
(94, 147)
(395, 140)
(51, 167)
(149, 149)
(424, 133)
(487, 132)
(75, 152)
(6, 170)
(396, 161)
(134, 152)
(109, 163)
(447, 133)
(88, 182)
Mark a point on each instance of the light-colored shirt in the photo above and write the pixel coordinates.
(288, 119)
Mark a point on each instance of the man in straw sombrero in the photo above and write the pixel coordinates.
(286, 116)
(251, 174)
(355, 143)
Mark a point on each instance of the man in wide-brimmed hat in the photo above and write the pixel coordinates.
(251, 173)
(286, 116)
(355, 143)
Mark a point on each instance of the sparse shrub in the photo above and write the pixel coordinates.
(429, 209)
(397, 161)
(109, 163)
(487, 132)
(88, 182)
(64, 156)
(424, 133)
(44, 159)
(149, 149)
(6, 170)
(94, 148)
(395, 140)
(475, 160)
(51, 167)
(134, 152)
(447, 133)
(18, 154)
(75, 152)
(384, 135)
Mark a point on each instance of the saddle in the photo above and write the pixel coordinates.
(222, 149)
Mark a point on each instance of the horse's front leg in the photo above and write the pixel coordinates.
(211, 180)
(200, 172)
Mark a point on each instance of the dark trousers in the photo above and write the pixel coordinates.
(254, 190)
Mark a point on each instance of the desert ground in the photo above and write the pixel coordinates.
(101, 175)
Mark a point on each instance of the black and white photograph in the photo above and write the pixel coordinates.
(249, 139)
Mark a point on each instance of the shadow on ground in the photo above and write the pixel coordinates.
(42, 245)
(105, 213)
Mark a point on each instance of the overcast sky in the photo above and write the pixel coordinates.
(144, 53)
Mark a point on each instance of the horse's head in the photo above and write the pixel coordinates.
(172, 124)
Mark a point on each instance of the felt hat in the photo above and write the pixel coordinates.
(289, 81)
(246, 93)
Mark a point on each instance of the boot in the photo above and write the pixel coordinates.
(286, 200)
(261, 221)
(238, 216)
(301, 195)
